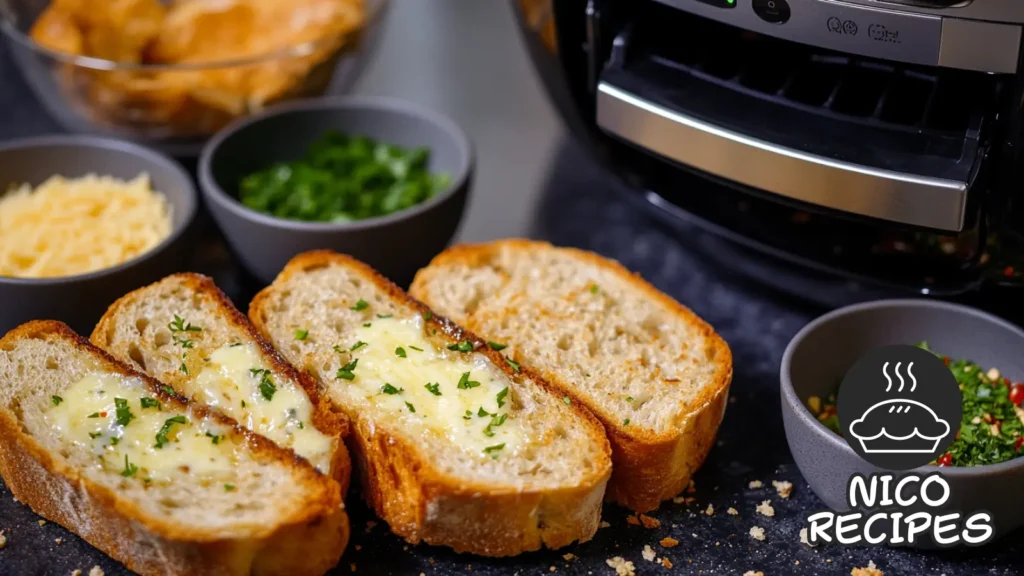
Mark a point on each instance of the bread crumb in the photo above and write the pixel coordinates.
(757, 533)
(42, 522)
(604, 524)
(552, 568)
(752, 573)
(678, 500)
(666, 563)
(669, 542)
(691, 488)
(783, 487)
(621, 566)
(803, 538)
(352, 567)
(648, 553)
(732, 511)
(58, 541)
(632, 520)
(76, 573)
(871, 570)
(358, 547)
(96, 571)
(649, 522)
(755, 484)
(3, 540)
(710, 510)
(568, 556)
(765, 508)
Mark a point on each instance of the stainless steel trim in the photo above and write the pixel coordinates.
(884, 30)
(898, 197)
(981, 46)
(1007, 11)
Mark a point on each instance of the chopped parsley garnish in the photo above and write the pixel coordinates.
(178, 326)
(149, 403)
(346, 372)
(465, 383)
(512, 363)
(463, 346)
(359, 344)
(567, 400)
(468, 415)
(161, 436)
(391, 390)
(301, 334)
(594, 289)
(124, 413)
(411, 407)
(367, 325)
(114, 441)
(416, 348)
(56, 400)
(229, 487)
(501, 396)
(267, 387)
(183, 367)
(625, 422)
(384, 316)
(496, 346)
(400, 352)
(214, 438)
(129, 468)
(427, 315)
(361, 305)
(496, 421)
(168, 390)
(629, 398)
(481, 412)
(434, 388)
(94, 415)
(494, 448)
(95, 435)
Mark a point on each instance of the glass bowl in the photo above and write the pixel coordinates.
(177, 107)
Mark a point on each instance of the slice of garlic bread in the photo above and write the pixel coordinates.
(458, 446)
(654, 373)
(165, 487)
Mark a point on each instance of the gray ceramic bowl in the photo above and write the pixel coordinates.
(81, 300)
(822, 352)
(397, 245)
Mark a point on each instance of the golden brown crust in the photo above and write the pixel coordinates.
(421, 503)
(150, 545)
(330, 423)
(648, 467)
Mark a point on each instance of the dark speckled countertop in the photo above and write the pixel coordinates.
(576, 205)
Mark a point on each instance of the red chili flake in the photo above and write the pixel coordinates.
(1018, 443)
(103, 414)
(945, 360)
(1008, 271)
(957, 437)
(946, 459)
(1005, 381)
(1017, 393)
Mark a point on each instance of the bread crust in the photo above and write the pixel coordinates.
(330, 423)
(309, 540)
(421, 503)
(648, 467)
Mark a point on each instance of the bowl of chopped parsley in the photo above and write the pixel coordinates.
(380, 179)
(985, 464)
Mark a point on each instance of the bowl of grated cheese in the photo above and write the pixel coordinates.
(84, 220)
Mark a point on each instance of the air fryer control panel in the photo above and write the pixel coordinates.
(890, 34)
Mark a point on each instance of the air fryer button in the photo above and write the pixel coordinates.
(720, 3)
(774, 11)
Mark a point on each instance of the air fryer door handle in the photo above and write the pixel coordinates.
(889, 195)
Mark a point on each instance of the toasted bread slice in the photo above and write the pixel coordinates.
(457, 446)
(184, 331)
(654, 373)
(163, 486)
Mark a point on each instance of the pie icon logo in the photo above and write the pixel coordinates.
(899, 407)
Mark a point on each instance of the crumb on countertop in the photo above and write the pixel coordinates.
(765, 508)
(42, 522)
(870, 570)
(732, 511)
(666, 563)
(3, 540)
(669, 542)
(783, 487)
(553, 569)
(604, 524)
(757, 533)
(752, 573)
(710, 511)
(678, 500)
(648, 553)
(691, 488)
(649, 522)
(632, 520)
(755, 484)
(76, 572)
(803, 538)
(621, 566)
(568, 556)
(58, 541)
(96, 571)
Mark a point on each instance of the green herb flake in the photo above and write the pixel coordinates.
(361, 305)
(94, 415)
(95, 435)
(515, 365)
(301, 334)
(367, 325)
(434, 388)
(625, 422)
(482, 413)
(347, 372)
(410, 407)
(468, 415)
(427, 315)
(359, 344)
(168, 390)
(567, 400)
(266, 386)
(114, 441)
(400, 352)
(179, 325)
(229, 487)
(214, 438)
(416, 348)
(629, 399)
(501, 396)
(465, 383)
(124, 413)
(129, 468)
(496, 346)
(495, 448)
(161, 436)
(463, 346)
(390, 390)
(384, 316)
(594, 289)
(147, 402)
(56, 400)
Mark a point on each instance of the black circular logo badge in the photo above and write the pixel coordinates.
(899, 407)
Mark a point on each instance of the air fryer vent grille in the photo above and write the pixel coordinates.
(875, 92)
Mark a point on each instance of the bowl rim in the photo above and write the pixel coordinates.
(792, 399)
(124, 146)
(375, 10)
(212, 189)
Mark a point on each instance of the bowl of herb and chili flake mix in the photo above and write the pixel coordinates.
(984, 466)
(383, 180)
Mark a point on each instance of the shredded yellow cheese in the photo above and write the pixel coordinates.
(66, 227)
